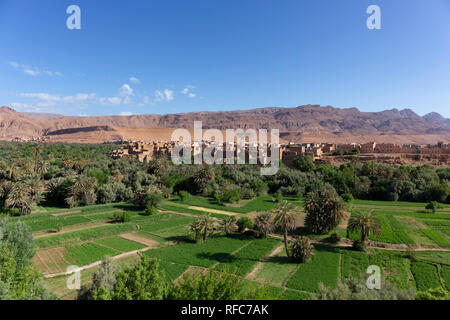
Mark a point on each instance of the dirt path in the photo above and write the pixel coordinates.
(227, 213)
(65, 213)
(259, 265)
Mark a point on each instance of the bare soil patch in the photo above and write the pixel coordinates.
(65, 213)
(136, 238)
(51, 261)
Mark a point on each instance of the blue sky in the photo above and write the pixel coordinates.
(170, 56)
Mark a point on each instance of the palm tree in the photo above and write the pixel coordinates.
(13, 171)
(36, 188)
(301, 249)
(285, 214)
(37, 150)
(41, 168)
(19, 197)
(204, 176)
(82, 191)
(204, 226)
(228, 225)
(264, 224)
(365, 222)
(324, 209)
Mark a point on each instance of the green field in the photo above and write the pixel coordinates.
(88, 235)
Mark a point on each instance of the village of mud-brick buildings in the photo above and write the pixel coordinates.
(438, 155)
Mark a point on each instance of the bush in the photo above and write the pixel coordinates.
(433, 206)
(359, 245)
(264, 224)
(232, 196)
(122, 217)
(277, 197)
(248, 194)
(356, 289)
(334, 238)
(304, 163)
(348, 197)
(433, 294)
(301, 249)
(245, 223)
(252, 233)
(215, 285)
(184, 195)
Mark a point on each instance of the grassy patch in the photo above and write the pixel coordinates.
(276, 269)
(120, 244)
(323, 267)
(437, 237)
(426, 275)
(243, 261)
(289, 294)
(215, 249)
(90, 252)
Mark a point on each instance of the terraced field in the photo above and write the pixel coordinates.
(409, 223)
(84, 236)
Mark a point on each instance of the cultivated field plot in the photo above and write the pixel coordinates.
(88, 236)
(263, 203)
(409, 223)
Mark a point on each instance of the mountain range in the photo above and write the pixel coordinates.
(295, 124)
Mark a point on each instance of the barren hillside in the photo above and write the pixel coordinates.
(304, 123)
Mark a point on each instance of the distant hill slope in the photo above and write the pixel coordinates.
(308, 119)
(436, 119)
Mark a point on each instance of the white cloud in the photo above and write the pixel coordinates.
(13, 64)
(145, 102)
(135, 80)
(41, 96)
(187, 91)
(31, 72)
(110, 101)
(80, 97)
(125, 91)
(126, 113)
(166, 95)
(34, 71)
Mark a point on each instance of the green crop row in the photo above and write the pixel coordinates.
(172, 270)
(426, 276)
(263, 203)
(120, 244)
(62, 239)
(166, 221)
(90, 252)
(158, 221)
(445, 274)
(206, 254)
(398, 230)
(441, 225)
(323, 267)
(437, 237)
(245, 259)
